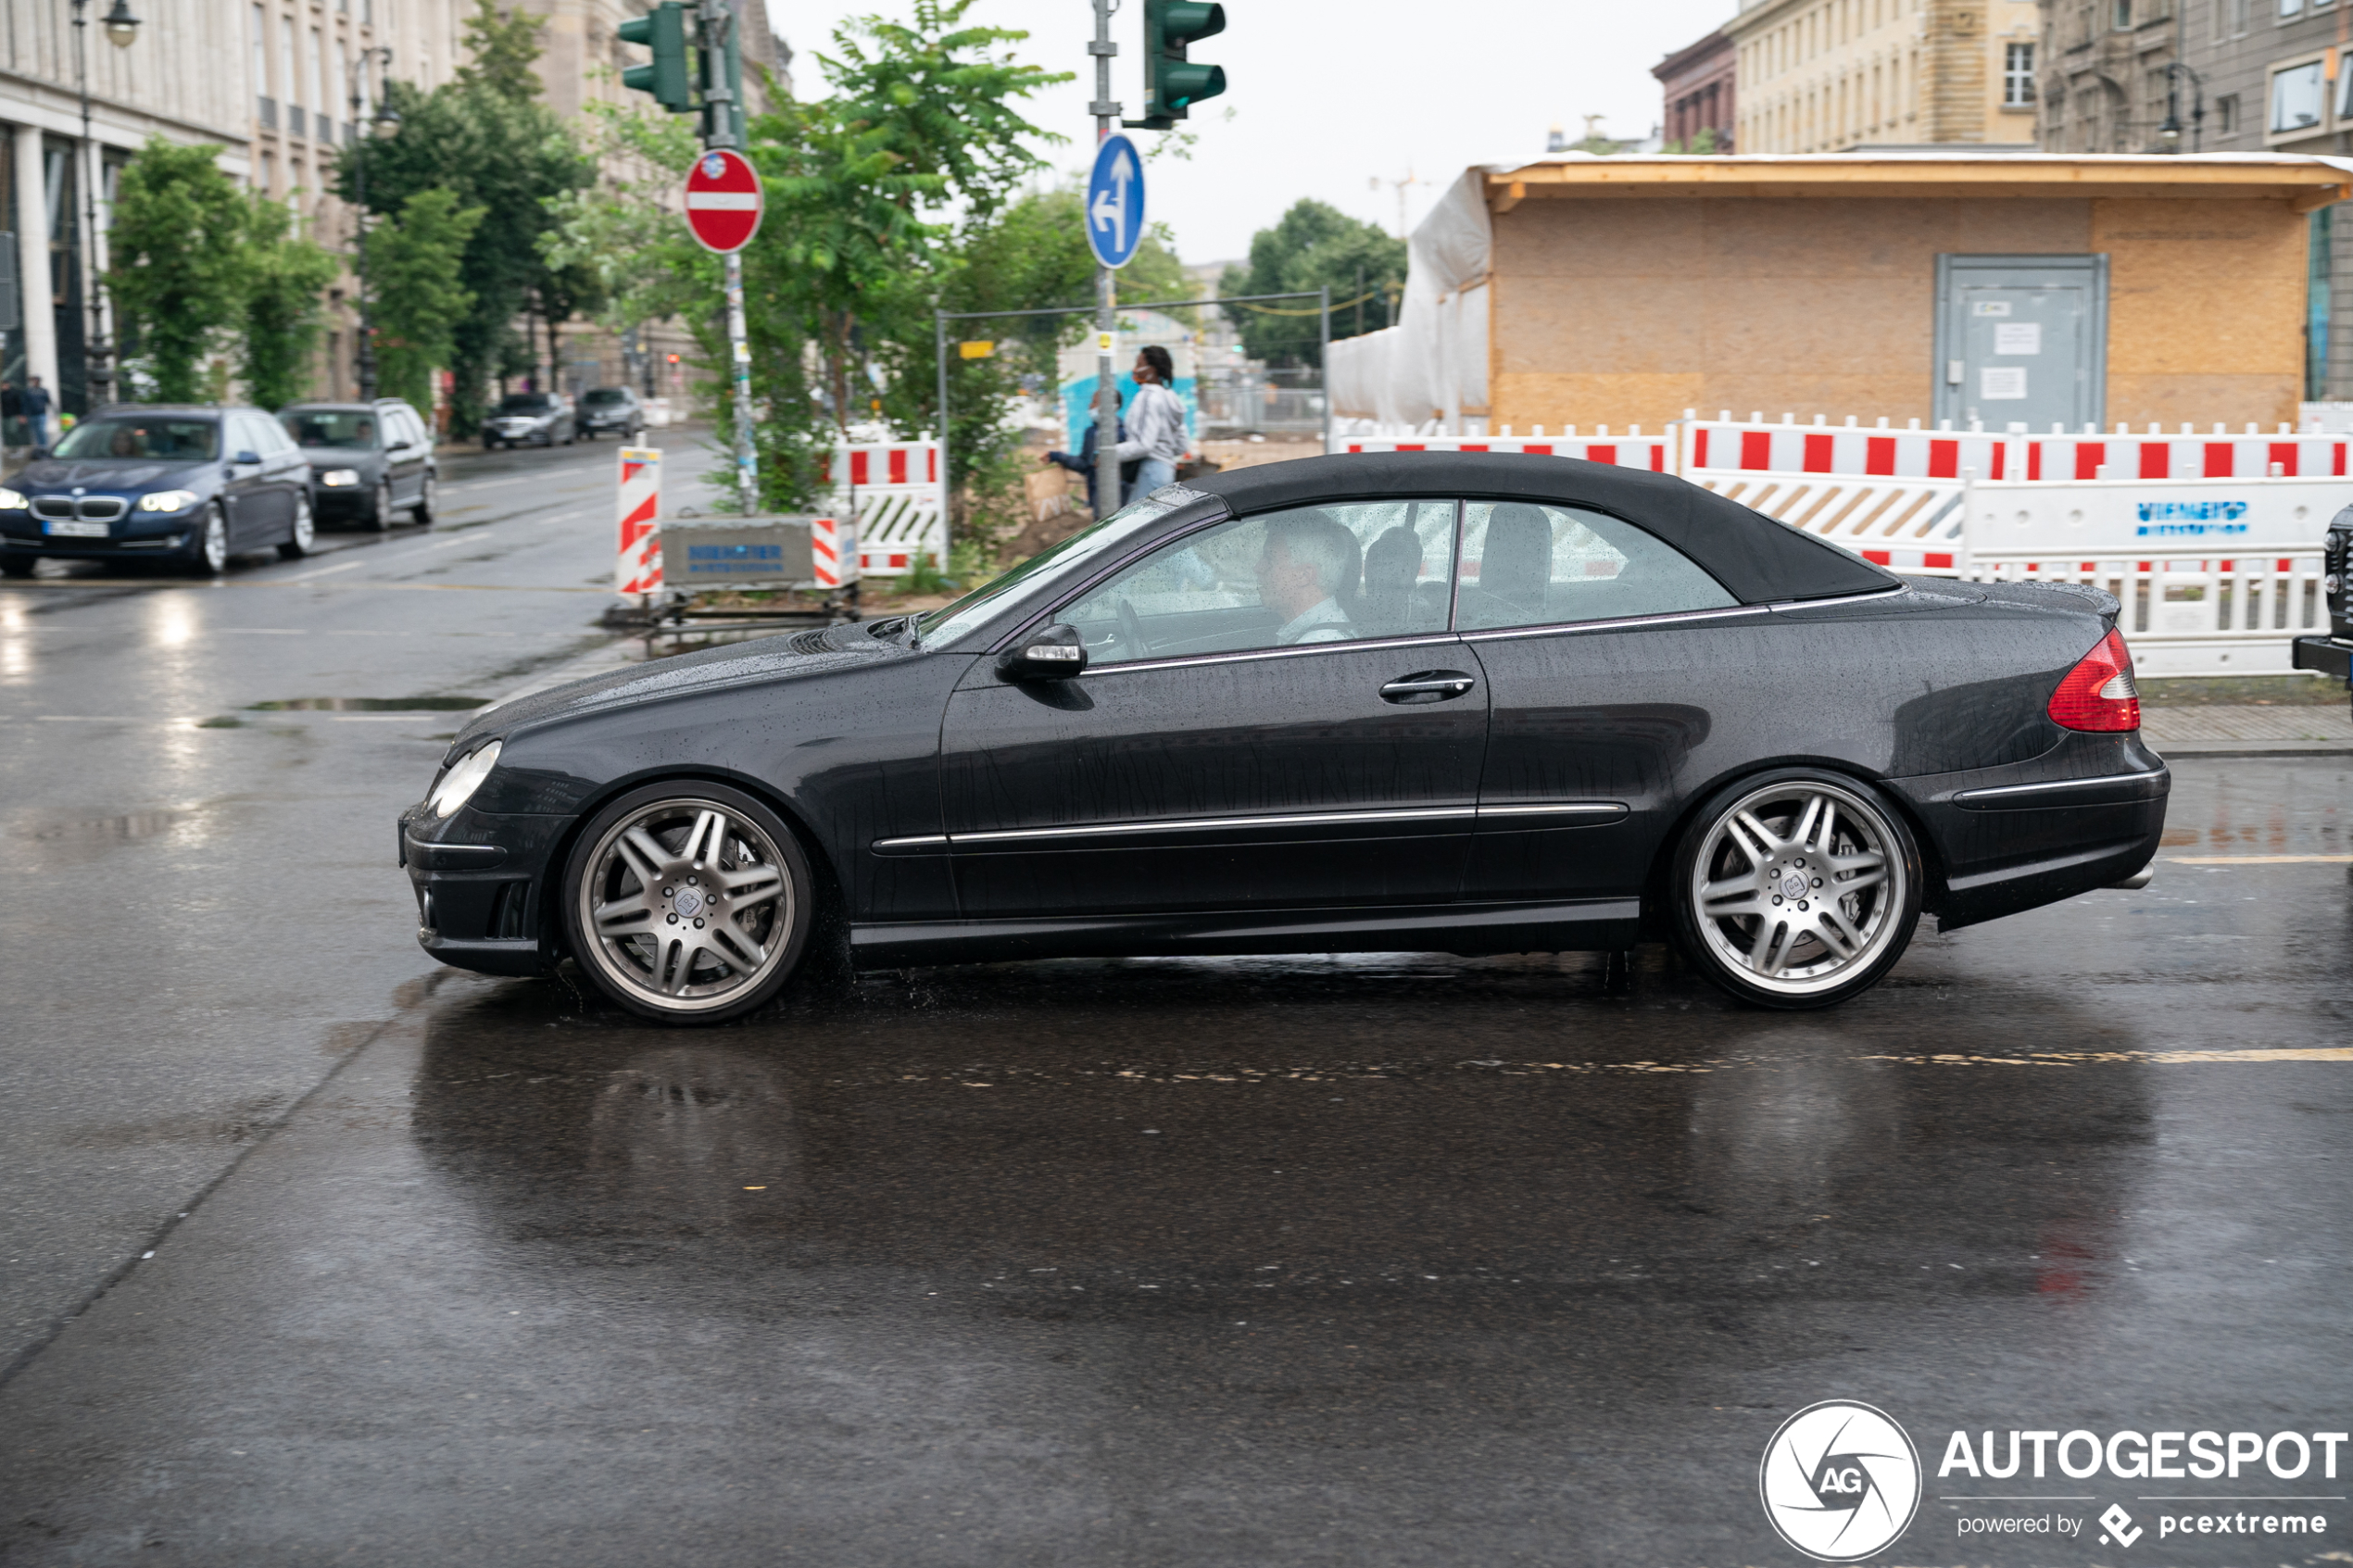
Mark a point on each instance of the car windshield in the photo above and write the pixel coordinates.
(331, 427)
(130, 437)
(526, 403)
(605, 396)
(1059, 561)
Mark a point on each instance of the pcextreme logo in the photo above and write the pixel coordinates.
(1840, 1481)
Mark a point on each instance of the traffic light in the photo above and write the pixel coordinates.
(1171, 85)
(663, 29)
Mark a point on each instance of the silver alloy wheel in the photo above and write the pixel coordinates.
(212, 549)
(423, 512)
(1798, 887)
(305, 532)
(687, 904)
(380, 513)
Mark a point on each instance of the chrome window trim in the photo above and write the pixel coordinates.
(1181, 661)
(1277, 820)
(1779, 604)
(2002, 792)
(1673, 617)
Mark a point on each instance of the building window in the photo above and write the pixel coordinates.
(2018, 76)
(2124, 18)
(2299, 97)
(2291, 8)
(2226, 114)
(269, 173)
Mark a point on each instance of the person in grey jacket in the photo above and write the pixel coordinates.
(1156, 423)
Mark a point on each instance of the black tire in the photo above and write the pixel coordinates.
(301, 533)
(422, 513)
(207, 551)
(1767, 845)
(17, 565)
(379, 508)
(647, 955)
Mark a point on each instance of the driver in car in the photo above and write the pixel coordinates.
(1307, 569)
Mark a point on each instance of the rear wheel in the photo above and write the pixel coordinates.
(1796, 889)
(305, 532)
(688, 902)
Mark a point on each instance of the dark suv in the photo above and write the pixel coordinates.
(184, 485)
(611, 407)
(368, 460)
(2333, 655)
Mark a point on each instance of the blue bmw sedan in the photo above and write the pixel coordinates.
(184, 486)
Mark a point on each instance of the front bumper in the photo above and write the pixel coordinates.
(2327, 655)
(134, 534)
(479, 882)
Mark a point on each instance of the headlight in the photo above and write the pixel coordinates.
(340, 476)
(12, 502)
(166, 500)
(459, 782)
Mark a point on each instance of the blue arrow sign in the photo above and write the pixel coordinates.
(1115, 202)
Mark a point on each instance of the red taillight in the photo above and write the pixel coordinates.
(2098, 694)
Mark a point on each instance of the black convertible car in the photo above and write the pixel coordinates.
(1473, 703)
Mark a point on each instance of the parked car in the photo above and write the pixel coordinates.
(528, 418)
(611, 407)
(184, 485)
(1464, 702)
(2332, 654)
(368, 460)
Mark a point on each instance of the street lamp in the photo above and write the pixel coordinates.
(383, 122)
(2170, 131)
(96, 356)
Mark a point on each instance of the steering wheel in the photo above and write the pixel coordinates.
(1132, 630)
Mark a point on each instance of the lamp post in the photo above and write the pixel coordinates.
(122, 27)
(383, 122)
(2170, 131)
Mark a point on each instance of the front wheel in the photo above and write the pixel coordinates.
(304, 533)
(209, 551)
(1796, 889)
(688, 902)
(422, 512)
(380, 507)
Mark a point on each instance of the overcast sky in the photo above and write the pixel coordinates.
(1327, 97)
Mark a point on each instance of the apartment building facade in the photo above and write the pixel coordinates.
(2107, 82)
(1700, 81)
(1823, 76)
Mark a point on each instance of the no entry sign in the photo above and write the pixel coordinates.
(722, 200)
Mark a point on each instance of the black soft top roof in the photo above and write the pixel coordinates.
(1756, 560)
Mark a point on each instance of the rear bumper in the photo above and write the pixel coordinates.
(2085, 815)
(2325, 654)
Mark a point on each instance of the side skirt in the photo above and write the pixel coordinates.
(1584, 925)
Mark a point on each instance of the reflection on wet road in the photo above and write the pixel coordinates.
(1396, 1260)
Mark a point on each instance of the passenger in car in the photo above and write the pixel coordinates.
(1308, 570)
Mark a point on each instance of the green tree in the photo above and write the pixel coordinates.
(179, 241)
(413, 269)
(486, 138)
(285, 277)
(1314, 245)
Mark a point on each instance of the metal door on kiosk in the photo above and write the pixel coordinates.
(2022, 340)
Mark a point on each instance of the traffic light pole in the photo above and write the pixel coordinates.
(723, 127)
(1107, 496)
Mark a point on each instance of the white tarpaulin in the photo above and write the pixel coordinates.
(1432, 365)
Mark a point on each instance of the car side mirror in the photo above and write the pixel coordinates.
(246, 458)
(1050, 653)
(40, 454)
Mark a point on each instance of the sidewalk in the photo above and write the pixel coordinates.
(2224, 730)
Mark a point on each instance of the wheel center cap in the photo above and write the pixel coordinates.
(1792, 885)
(690, 901)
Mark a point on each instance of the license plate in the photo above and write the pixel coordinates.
(73, 528)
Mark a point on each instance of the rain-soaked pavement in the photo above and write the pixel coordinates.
(1400, 1259)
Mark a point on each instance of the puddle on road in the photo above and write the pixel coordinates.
(370, 704)
(116, 830)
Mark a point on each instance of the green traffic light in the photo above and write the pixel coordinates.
(663, 29)
(1171, 85)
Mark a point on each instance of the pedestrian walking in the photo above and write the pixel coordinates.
(35, 398)
(1157, 422)
(1083, 460)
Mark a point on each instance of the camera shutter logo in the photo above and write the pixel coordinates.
(1840, 1481)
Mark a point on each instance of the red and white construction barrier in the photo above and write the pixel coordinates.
(1634, 450)
(832, 551)
(638, 564)
(898, 496)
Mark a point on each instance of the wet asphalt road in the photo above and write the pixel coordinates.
(1393, 1260)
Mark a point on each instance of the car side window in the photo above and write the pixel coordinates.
(245, 434)
(1312, 575)
(1527, 564)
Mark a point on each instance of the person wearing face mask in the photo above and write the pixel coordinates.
(1155, 424)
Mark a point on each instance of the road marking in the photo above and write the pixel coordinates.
(325, 571)
(2261, 859)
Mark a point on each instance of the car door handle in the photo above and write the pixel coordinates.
(1427, 685)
